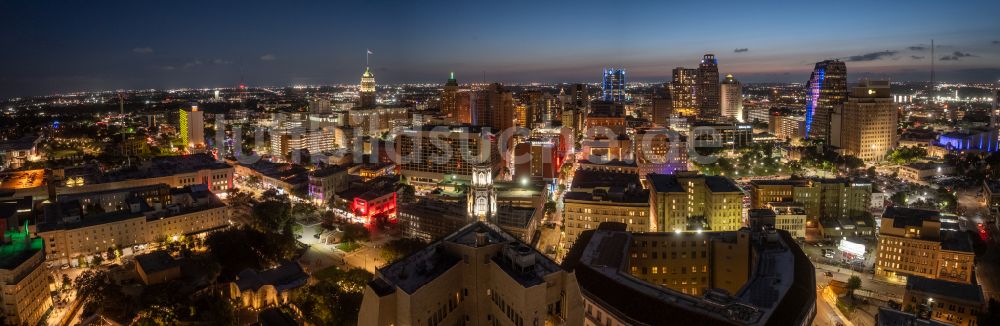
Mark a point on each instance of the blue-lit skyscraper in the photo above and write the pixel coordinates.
(613, 86)
(827, 88)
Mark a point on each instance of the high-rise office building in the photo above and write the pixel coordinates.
(827, 89)
(455, 104)
(366, 92)
(613, 86)
(493, 107)
(707, 90)
(683, 91)
(663, 106)
(192, 127)
(579, 95)
(867, 121)
(732, 98)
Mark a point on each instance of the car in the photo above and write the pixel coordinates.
(828, 274)
(64, 266)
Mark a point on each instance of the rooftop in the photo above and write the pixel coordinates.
(24, 143)
(420, 268)
(22, 179)
(286, 276)
(944, 289)
(157, 167)
(890, 317)
(781, 281)
(329, 170)
(20, 248)
(156, 261)
(910, 217)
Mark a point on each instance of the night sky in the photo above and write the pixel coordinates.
(64, 46)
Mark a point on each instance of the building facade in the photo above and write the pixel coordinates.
(916, 242)
(687, 201)
(707, 90)
(826, 90)
(732, 98)
(192, 127)
(868, 122)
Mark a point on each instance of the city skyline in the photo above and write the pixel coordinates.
(107, 46)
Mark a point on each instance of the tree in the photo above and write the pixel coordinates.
(354, 232)
(112, 253)
(328, 303)
(898, 198)
(853, 162)
(906, 154)
(398, 248)
(853, 283)
(273, 214)
(66, 281)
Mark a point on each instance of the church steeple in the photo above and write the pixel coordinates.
(481, 198)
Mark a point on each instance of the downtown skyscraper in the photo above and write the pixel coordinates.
(827, 89)
(683, 89)
(707, 88)
(867, 121)
(732, 98)
(613, 86)
(366, 91)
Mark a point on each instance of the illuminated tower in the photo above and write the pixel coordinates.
(481, 198)
(732, 98)
(613, 86)
(868, 121)
(683, 89)
(367, 89)
(827, 88)
(707, 88)
(449, 98)
(192, 127)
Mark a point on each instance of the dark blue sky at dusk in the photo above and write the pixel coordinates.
(66, 46)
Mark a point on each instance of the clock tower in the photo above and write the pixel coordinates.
(481, 198)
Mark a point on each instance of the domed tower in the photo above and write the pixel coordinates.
(367, 89)
(481, 198)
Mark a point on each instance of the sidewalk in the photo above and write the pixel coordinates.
(831, 300)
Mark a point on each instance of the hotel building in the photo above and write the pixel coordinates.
(84, 224)
(687, 201)
(605, 196)
(925, 243)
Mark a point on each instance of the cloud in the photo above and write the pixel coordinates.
(916, 57)
(143, 50)
(996, 42)
(956, 55)
(192, 64)
(167, 68)
(741, 50)
(871, 56)
(917, 48)
(221, 62)
(268, 57)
